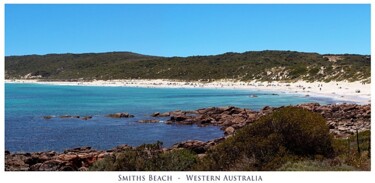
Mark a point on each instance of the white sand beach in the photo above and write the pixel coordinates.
(354, 92)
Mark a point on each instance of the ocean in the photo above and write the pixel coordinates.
(27, 131)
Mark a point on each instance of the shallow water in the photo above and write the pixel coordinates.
(26, 104)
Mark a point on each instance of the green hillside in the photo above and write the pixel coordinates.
(252, 65)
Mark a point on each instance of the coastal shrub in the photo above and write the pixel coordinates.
(222, 157)
(311, 165)
(297, 71)
(271, 141)
(147, 157)
(364, 140)
(106, 164)
(131, 159)
(175, 160)
(346, 151)
(343, 146)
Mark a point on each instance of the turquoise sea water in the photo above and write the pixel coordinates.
(26, 104)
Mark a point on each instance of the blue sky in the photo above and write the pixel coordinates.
(186, 30)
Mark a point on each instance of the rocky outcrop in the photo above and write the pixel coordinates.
(229, 131)
(158, 114)
(225, 117)
(86, 117)
(47, 117)
(148, 121)
(78, 159)
(343, 119)
(197, 146)
(68, 117)
(120, 115)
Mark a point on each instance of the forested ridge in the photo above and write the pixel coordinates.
(252, 65)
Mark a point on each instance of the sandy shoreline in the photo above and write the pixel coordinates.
(354, 92)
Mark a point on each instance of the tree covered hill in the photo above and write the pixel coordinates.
(253, 65)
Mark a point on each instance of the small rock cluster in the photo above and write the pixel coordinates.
(69, 117)
(120, 115)
(78, 159)
(148, 121)
(115, 115)
(197, 146)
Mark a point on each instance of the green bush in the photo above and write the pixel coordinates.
(148, 157)
(175, 160)
(346, 151)
(309, 165)
(106, 164)
(131, 159)
(272, 141)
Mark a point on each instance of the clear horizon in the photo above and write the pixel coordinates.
(186, 30)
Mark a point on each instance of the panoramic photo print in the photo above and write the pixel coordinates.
(187, 87)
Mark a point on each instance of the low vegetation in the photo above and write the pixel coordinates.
(289, 139)
(285, 135)
(252, 65)
(149, 157)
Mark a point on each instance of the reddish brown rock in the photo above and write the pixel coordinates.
(194, 145)
(67, 157)
(229, 131)
(86, 117)
(148, 121)
(120, 115)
